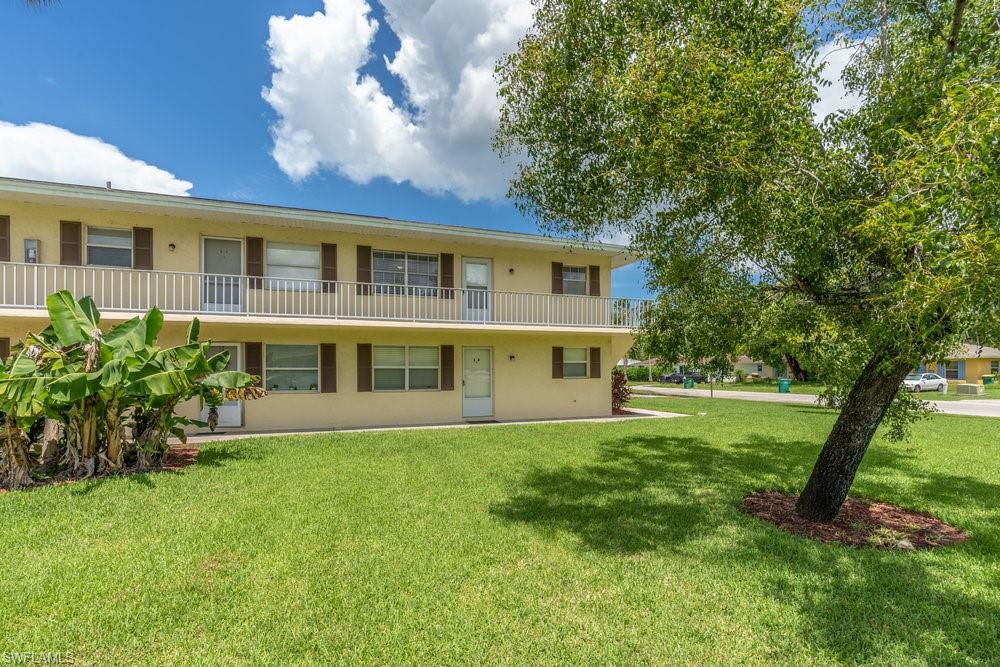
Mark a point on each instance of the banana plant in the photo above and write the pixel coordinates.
(98, 383)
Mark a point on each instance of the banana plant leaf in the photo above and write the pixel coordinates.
(88, 306)
(194, 330)
(22, 366)
(73, 387)
(228, 380)
(72, 323)
(154, 324)
(22, 389)
(219, 362)
(163, 383)
(127, 337)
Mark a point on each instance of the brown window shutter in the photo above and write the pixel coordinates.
(364, 268)
(253, 359)
(328, 263)
(142, 248)
(447, 368)
(557, 363)
(4, 349)
(4, 238)
(364, 367)
(557, 286)
(70, 242)
(328, 368)
(595, 281)
(595, 362)
(255, 260)
(447, 275)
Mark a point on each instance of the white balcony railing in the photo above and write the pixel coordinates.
(27, 285)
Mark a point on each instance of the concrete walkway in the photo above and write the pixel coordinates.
(971, 407)
(637, 414)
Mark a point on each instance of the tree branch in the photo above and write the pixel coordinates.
(956, 25)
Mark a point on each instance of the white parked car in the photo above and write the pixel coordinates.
(925, 382)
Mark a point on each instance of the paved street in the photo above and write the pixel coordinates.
(975, 407)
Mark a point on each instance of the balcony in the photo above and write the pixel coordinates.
(25, 286)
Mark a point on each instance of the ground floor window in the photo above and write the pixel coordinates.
(995, 367)
(401, 367)
(950, 370)
(292, 368)
(575, 362)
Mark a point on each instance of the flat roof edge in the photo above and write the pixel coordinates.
(275, 213)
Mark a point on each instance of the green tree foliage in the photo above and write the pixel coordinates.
(91, 387)
(870, 240)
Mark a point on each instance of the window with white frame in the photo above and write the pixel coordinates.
(293, 266)
(401, 367)
(397, 272)
(574, 280)
(574, 362)
(291, 367)
(107, 246)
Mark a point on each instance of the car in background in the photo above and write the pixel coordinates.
(678, 378)
(917, 382)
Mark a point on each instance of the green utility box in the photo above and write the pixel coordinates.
(688, 383)
(989, 379)
(784, 386)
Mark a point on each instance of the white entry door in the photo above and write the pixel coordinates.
(222, 260)
(230, 412)
(477, 275)
(477, 382)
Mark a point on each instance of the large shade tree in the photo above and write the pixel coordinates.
(870, 237)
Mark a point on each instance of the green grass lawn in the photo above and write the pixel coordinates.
(554, 544)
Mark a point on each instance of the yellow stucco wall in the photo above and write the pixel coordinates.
(531, 269)
(523, 386)
(975, 369)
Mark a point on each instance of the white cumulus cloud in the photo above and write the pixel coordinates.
(49, 153)
(332, 116)
(835, 97)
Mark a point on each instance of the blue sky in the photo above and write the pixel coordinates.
(179, 84)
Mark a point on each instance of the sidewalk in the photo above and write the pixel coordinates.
(971, 408)
(637, 413)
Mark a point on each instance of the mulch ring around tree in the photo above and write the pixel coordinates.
(177, 457)
(859, 524)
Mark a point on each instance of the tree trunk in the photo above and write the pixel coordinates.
(798, 374)
(16, 455)
(860, 416)
(52, 436)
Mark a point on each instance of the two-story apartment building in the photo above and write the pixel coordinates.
(349, 320)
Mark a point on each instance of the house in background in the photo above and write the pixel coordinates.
(969, 363)
(749, 366)
(349, 320)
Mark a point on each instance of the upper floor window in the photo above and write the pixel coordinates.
(574, 280)
(393, 271)
(292, 265)
(107, 246)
